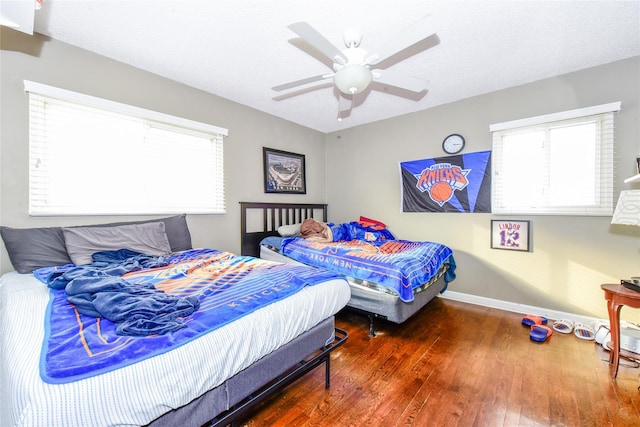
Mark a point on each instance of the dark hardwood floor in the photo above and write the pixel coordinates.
(455, 364)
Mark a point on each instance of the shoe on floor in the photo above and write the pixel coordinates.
(540, 333)
(531, 320)
(584, 332)
(603, 335)
(563, 326)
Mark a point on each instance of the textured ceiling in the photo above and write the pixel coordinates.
(240, 49)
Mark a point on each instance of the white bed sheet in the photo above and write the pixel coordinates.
(139, 393)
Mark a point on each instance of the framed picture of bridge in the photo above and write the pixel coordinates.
(284, 172)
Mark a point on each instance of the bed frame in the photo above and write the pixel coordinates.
(267, 217)
(230, 402)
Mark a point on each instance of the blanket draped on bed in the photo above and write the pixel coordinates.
(226, 287)
(98, 290)
(400, 265)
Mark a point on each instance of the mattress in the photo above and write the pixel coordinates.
(139, 393)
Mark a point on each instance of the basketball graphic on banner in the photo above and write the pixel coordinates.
(441, 192)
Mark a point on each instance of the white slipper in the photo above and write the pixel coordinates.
(584, 332)
(603, 335)
(563, 326)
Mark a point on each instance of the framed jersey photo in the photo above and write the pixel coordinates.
(510, 234)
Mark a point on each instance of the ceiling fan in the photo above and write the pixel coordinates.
(353, 67)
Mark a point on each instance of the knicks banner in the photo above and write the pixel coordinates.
(459, 183)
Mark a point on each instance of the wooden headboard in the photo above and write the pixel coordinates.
(263, 219)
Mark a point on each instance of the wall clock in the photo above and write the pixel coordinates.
(453, 144)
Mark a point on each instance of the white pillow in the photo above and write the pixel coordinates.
(82, 242)
(289, 230)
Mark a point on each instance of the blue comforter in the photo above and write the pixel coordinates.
(225, 286)
(400, 265)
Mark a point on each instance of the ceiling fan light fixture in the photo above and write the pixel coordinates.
(352, 78)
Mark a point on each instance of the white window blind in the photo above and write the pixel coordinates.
(555, 164)
(89, 156)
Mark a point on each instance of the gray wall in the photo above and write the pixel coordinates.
(356, 170)
(571, 256)
(57, 64)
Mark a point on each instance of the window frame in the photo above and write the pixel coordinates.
(603, 191)
(177, 129)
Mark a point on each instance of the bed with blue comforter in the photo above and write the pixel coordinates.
(389, 278)
(163, 336)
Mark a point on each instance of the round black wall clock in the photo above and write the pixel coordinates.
(453, 144)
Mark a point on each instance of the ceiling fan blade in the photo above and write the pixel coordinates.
(302, 90)
(401, 81)
(301, 82)
(318, 41)
(411, 35)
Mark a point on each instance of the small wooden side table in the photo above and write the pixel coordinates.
(617, 296)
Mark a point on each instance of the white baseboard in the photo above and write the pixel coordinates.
(520, 308)
(629, 333)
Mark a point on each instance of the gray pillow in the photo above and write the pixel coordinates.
(175, 226)
(33, 248)
(148, 238)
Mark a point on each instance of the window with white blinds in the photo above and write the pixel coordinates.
(90, 156)
(560, 164)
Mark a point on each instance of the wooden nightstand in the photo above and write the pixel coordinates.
(617, 296)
